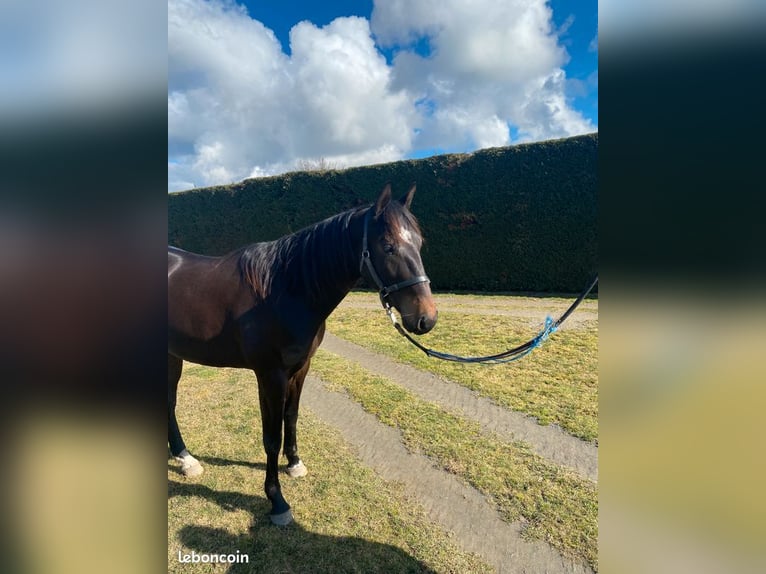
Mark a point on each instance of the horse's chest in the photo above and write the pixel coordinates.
(288, 345)
(295, 355)
(297, 346)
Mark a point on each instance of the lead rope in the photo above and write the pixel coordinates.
(506, 356)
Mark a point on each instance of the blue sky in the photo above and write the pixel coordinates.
(259, 88)
(578, 19)
(282, 16)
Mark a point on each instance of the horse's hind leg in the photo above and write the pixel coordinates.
(190, 466)
(295, 467)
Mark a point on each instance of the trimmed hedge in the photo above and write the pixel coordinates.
(519, 218)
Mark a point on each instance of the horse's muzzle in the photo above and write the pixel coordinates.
(425, 323)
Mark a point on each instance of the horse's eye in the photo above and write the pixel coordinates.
(388, 248)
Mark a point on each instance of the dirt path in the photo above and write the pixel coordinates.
(457, 507)
(549, 441)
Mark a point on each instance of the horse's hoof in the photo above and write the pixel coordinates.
(282, 519)
(192, 469)
(190, 466)
(297, 470)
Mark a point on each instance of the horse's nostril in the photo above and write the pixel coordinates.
(422, 323)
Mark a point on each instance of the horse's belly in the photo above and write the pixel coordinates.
(220, 351)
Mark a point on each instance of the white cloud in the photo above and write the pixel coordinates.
(564, 28)
(583, 88)
(239, 107)
(343, 88)
(545, 112)
(491, 64)
(225, 88)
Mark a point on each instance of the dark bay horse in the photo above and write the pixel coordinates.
(263, 307)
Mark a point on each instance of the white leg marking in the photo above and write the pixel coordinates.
(297, 470)
(282, 519)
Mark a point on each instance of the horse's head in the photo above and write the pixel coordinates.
(391, 261)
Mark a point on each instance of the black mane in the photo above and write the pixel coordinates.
(316, 258)
(307, 261)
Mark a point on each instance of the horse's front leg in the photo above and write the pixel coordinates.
(295, 467)
(272, 391)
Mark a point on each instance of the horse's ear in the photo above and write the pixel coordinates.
(383, 200)
(406, 199)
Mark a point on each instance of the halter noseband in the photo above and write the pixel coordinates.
(383, 290)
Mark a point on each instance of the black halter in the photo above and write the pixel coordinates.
(383, 290)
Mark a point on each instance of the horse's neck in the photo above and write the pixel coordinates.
(330, 261)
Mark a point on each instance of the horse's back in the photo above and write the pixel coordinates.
(176, 255)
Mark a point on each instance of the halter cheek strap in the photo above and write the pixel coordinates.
(366, 263)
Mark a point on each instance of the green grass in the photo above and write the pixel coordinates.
(347, 519)
(553, 504)
(557, 383)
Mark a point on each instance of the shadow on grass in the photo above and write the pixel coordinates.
(282, 549)
(175, 467)
(215, 461)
